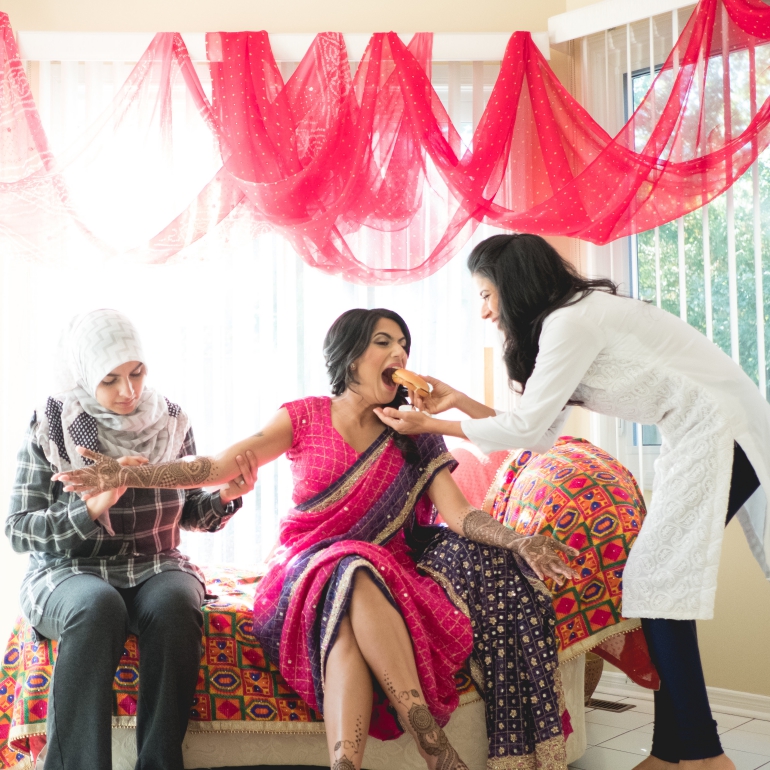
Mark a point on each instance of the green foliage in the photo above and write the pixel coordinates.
(715, 219)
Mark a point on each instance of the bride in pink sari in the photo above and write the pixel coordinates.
(368, 608)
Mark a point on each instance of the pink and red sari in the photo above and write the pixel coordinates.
(369, 511)
(354, 511)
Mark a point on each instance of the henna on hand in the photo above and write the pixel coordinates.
(541, 552)
(107, 473)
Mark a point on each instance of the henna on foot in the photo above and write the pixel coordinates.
(430, 737)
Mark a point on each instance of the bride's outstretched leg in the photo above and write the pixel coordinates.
(384, 642)
(347, 701)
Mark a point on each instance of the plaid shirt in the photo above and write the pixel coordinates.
(63, 540)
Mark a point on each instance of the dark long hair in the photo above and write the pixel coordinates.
(532, 280)
(347, 339)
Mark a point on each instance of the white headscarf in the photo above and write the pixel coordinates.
(95, 344)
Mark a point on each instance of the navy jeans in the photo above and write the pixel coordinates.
(684, 727)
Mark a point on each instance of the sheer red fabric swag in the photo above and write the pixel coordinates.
(364, 173)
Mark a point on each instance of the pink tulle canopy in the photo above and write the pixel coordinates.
(364, 173)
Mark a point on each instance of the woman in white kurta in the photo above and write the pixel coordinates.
(569, 340)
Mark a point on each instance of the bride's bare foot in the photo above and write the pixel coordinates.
(653, 763)
(722, 762)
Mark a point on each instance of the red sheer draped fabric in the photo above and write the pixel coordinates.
(364, 173)
(332, 160)
(133, 171)
(694, 133)
(26, 189)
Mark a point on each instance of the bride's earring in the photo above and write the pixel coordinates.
(352, 366)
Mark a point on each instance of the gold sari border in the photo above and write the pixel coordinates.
(444, 582)
(430, 469)
(414, 493)
(342, 591)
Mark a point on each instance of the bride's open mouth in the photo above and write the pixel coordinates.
(387, 377)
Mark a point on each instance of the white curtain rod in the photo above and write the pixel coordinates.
(605, 15)
(129, 46)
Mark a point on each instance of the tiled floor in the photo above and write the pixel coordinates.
(621, 741)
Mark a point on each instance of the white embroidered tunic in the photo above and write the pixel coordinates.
(625, 358)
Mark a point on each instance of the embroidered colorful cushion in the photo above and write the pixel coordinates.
(582, 496)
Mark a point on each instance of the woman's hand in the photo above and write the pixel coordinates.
(407, 423)
(244, 483)
(444, 397)
(441, 398)
(541, 552)
(88, 482)
(103, 501)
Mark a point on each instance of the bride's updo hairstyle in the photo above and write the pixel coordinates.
(532, 280)
(347, 339)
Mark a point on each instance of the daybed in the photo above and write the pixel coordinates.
(244, 713)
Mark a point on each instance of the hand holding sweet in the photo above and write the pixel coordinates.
(407, 423)
(441, 398)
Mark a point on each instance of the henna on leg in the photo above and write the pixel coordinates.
(347, 701)
(384, 641)
(430, 737)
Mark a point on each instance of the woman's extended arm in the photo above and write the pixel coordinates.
(539, 551)
(569, 344)
(187, 473)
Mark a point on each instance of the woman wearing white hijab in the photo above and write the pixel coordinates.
(105, 567)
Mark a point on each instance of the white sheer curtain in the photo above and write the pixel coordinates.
(229, 335)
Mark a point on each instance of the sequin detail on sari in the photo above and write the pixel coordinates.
(514, 661)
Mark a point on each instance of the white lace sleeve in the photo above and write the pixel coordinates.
(569, 343)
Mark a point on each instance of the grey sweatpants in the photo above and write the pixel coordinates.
(91, 620)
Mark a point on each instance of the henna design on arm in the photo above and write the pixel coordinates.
(541, 552)
(482, 528)
(180, 474)
(107, 473)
